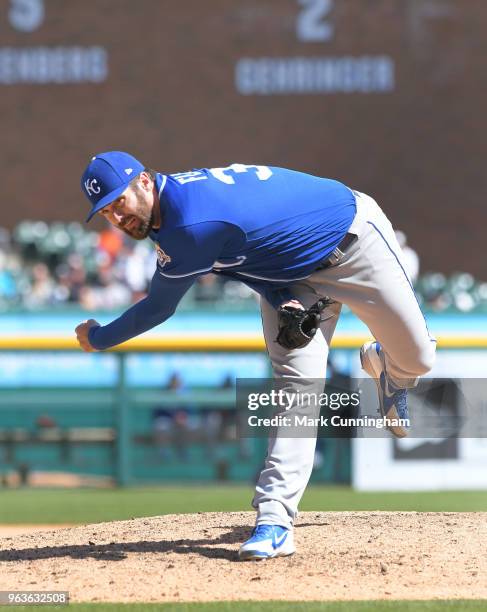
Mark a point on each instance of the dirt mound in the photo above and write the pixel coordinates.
(193, 557)
(15, 530)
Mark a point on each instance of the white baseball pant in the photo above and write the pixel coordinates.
(372, 281)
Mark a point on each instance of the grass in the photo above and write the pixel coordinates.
(271, 606)
(21, 506)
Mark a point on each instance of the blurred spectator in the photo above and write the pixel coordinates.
(4, 239)
(41, 291)
(172, 424)
(235, 291)
(137, 264)
(110, 242)
(107, 292)
(410, 257)
(95, 271)
(45, 421)
(207, 289)
(8, 272)
(75, 278)
(45, 265)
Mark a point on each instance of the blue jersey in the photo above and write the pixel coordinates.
(265, 226)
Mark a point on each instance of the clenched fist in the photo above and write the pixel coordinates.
(82, 334)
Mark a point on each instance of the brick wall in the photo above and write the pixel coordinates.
(170, 98)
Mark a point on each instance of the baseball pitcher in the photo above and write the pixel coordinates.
(307, 245)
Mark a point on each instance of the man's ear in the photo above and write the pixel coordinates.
(146, 181)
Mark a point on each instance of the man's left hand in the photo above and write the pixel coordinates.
(297, 325)
(82, 334)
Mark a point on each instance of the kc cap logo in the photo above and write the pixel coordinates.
(91, 186)
(107, 176)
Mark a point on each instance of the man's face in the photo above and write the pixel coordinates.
(132, 212)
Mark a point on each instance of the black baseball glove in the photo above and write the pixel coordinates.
(297, 327)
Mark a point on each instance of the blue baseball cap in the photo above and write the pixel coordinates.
(107, 176)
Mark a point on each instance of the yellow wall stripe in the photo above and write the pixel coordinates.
(211, 343)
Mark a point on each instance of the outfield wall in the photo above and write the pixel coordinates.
(115, 414)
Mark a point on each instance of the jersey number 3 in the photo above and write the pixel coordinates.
(225, 174)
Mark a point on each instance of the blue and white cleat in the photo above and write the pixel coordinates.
(393, 404)
(267, 541)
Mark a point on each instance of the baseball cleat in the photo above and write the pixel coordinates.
(392, 400)
(267, 541)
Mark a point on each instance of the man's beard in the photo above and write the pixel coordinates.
(141, 230)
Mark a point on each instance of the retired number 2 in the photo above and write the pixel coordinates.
(311, 25)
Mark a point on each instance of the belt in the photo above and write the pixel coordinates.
(338, 253)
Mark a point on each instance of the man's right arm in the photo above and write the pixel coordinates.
(160, 303)
(193, 250)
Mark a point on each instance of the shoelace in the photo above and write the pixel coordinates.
(399, 395)
(264, 531)
(400, 400)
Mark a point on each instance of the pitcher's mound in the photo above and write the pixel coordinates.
(193, 557)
